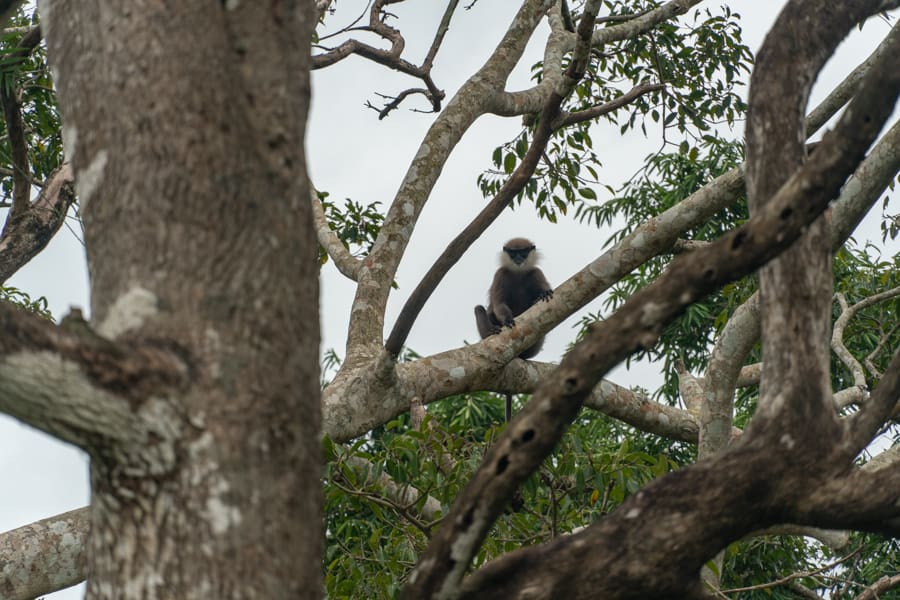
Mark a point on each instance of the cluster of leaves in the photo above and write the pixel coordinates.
(28, 76)
(758, 562)
(700, 63)
(557, 185)
(16, 296)
(356, 224)
(372, 540)
(791, 567)
(875, 557)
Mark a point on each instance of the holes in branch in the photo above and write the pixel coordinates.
(502, 464)
(468, 518)
(528, 436)
(786, 213)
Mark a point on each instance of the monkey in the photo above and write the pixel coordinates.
(517, 285)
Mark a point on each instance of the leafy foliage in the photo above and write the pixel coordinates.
(16, 296)
(28, 76)
(356, 224)
(373, 539)
(700, 62)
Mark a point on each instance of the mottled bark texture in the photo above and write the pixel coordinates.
(43, 556)
(184, 123)
(30, 228)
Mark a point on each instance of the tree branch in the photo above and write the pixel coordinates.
(830, 537)
(564, 119)
(404, 497)
(637, 410)
(45, 556)
(749, 375)
(840, 95)
(345, 262)
(530, 100)
(726, 360)
(882, 585)
(861, 426)
(84, 389)
(439, 35)
(885, 339)
(793, 576)
(837, 335)
(795, 290)
(391, 58)
(29, 232)
(864, 499)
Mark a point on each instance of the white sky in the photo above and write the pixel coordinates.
(352, 154)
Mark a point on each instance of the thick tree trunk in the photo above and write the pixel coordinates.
(185, 126)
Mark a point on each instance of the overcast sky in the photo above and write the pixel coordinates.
(354, 155)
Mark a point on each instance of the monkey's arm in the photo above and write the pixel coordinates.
(544, 291)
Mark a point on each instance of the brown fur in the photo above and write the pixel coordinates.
(518, 284)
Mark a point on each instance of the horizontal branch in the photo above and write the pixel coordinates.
(570, 118)
(877, 589)
(834, 539)
(637, 410)
(45, 556)
(77, 386)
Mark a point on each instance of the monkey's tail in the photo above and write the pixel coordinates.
(508, 407)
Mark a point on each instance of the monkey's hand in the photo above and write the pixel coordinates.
(510, 322)
(545, 296)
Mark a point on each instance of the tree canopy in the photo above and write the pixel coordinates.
(766, 463)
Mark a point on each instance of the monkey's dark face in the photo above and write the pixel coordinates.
(519, 256)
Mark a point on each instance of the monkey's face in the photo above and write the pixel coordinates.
(519, 258)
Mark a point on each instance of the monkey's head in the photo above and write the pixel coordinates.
(519, 254)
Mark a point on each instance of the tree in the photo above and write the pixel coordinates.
(195, 390)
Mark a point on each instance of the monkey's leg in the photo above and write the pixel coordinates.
(483, 322)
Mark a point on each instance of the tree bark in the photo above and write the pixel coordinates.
(185, 124)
